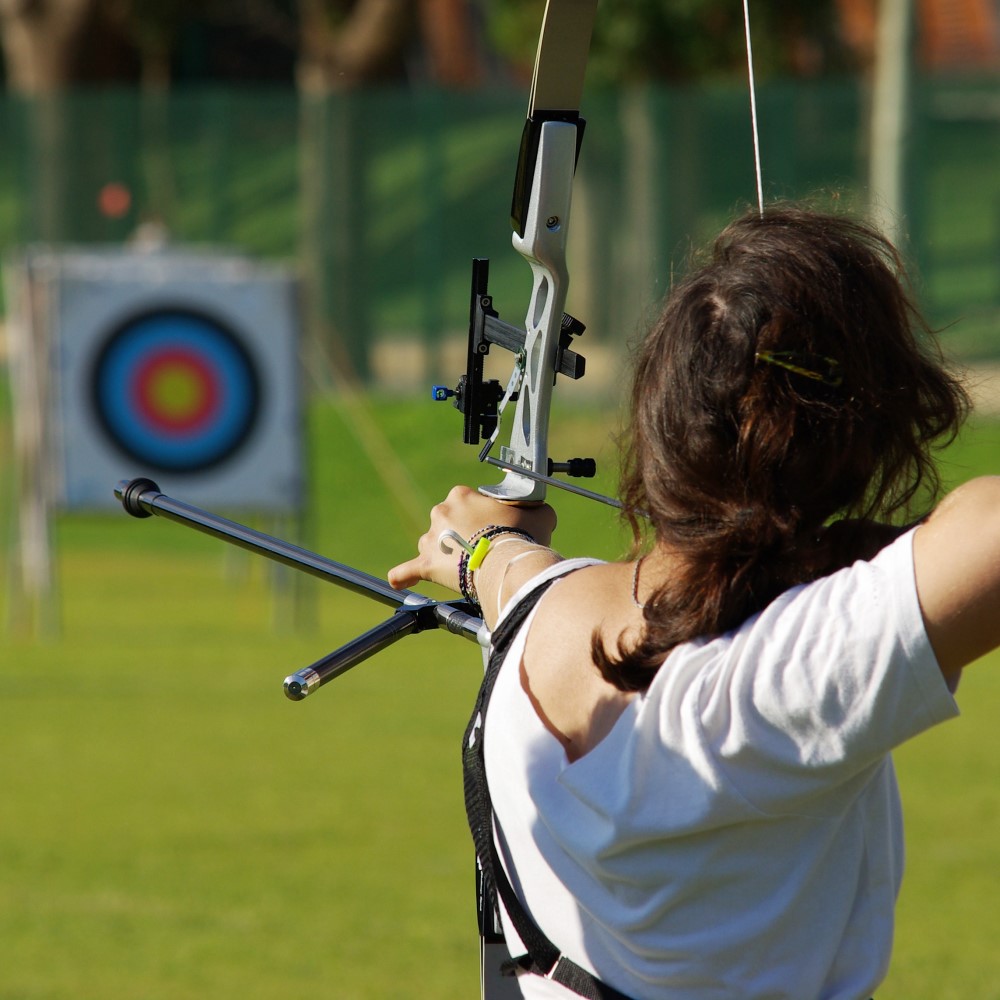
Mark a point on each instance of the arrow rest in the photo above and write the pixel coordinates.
(481, 401)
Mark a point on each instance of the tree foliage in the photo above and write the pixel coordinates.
(51, 44)
(679, 40)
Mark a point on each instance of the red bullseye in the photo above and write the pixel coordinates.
(176, 392)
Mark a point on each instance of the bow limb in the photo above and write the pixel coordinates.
(540, 213)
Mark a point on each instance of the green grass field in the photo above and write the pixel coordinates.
(171, 827)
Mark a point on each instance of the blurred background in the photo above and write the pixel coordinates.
(368, 142)
(275, 203)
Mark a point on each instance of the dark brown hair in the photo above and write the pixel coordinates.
(784, 408)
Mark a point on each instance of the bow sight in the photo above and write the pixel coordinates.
(481, 401)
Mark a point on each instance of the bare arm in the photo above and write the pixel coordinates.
(506, 566)
(957, 564)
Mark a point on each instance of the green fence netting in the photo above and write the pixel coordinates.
(382, 197)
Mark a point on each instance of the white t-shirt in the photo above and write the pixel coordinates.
(737, 835)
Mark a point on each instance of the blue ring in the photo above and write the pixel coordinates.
(116, 370)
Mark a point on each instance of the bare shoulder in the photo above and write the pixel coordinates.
(594, 597)
(982, 493)
(595, 585)
(576, 704)
(956, 557)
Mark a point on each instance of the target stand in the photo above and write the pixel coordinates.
(175, 363)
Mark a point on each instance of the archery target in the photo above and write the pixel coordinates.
(176, 391)
(178, 366)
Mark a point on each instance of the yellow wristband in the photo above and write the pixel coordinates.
(478, 554)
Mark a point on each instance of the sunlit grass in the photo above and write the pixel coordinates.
(173, 828)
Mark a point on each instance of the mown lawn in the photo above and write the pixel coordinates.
(172, 827)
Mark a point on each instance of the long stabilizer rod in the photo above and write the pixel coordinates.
(414, 612)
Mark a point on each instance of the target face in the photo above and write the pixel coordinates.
(175, 390)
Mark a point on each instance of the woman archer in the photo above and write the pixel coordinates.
(688, 752)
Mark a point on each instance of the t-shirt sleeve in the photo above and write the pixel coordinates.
(816, 689)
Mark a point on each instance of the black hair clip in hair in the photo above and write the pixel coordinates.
(818, 367)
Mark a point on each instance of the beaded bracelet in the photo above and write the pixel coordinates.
(472, 557)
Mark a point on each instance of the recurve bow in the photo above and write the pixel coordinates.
(540, 214)
(540, 211)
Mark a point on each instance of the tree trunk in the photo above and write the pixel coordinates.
(449, 42)
(889, 125)
(365, 46)
(40, 39)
